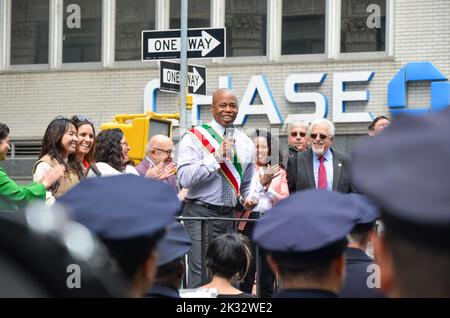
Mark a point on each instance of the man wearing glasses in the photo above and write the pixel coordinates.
(158, 163)
(320, 167)
(298, 139)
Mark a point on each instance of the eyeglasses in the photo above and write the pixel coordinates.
(301, 134)
(321, 136)
(167, 152)
(82, 119)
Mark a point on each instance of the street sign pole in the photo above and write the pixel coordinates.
(185, 114)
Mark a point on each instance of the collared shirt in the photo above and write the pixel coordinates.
(328, 162)
(199, 171)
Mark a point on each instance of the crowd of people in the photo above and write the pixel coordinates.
(315, 216)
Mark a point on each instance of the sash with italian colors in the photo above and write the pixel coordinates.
(210, 141)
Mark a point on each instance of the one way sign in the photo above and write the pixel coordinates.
(169, 78)
(202, 43)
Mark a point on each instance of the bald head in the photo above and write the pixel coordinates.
(224, 106)
(159, 148)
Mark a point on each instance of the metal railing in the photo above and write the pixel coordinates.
(204, 223)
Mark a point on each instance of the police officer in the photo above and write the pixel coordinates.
(305, 237)
(362, 274)
(406, 171)
(129, 214)
(170, 270)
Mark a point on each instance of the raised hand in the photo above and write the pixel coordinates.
(270, 172)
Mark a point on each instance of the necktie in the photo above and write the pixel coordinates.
(227, 193)
(322, 180)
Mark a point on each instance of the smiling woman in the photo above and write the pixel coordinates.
(86, 141)
(14, 192)
(58, 148)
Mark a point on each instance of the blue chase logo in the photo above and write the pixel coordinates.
(419, 71)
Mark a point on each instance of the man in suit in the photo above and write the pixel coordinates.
(158, 163)
(320, 166)
(298, 138)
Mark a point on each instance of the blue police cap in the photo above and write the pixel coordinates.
(406, 171)
(122, 207)
(175, 244)
(406, 168)
(307, 226)
(368, 211)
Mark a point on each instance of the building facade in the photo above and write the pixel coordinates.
(286, 59)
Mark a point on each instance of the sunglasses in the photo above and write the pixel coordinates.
(301, 134)
(82, 119)
(322, 137)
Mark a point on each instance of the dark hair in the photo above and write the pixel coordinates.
(316, 271)
(108, 148)
(374, 122)
(80, 121)
(360, 232)
(4, 131)
(272, 143)
(229, 256)
(52, 145)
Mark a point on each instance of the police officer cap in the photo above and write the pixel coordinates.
(307, 226)
(122, 207)
(175, 244)
(406, 171)
(369, 212)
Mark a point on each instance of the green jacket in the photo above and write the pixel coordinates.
(20, 194)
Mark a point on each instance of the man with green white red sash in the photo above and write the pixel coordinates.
(216, 164)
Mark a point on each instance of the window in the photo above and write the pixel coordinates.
(82, 27)
(132, 17)
(303, 27)
(29, 31)
(198, 14)
(246, 23)
(363, 26)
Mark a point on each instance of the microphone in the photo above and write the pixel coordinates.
(229, 135)
(229, 131)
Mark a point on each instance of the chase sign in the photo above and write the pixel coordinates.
(419, 71)
(294, 93)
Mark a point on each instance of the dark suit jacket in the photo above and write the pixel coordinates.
(300, 172)
(355, 285)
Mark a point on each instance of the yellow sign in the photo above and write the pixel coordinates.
(139, 128)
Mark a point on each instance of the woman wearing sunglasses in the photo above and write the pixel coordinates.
(58, 148)
(86, 141)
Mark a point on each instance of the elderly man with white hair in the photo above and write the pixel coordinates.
(297, 137)
(320, 166)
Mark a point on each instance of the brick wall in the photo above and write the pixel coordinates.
(29, 100)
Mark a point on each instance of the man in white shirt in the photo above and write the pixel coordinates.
(216, 164)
